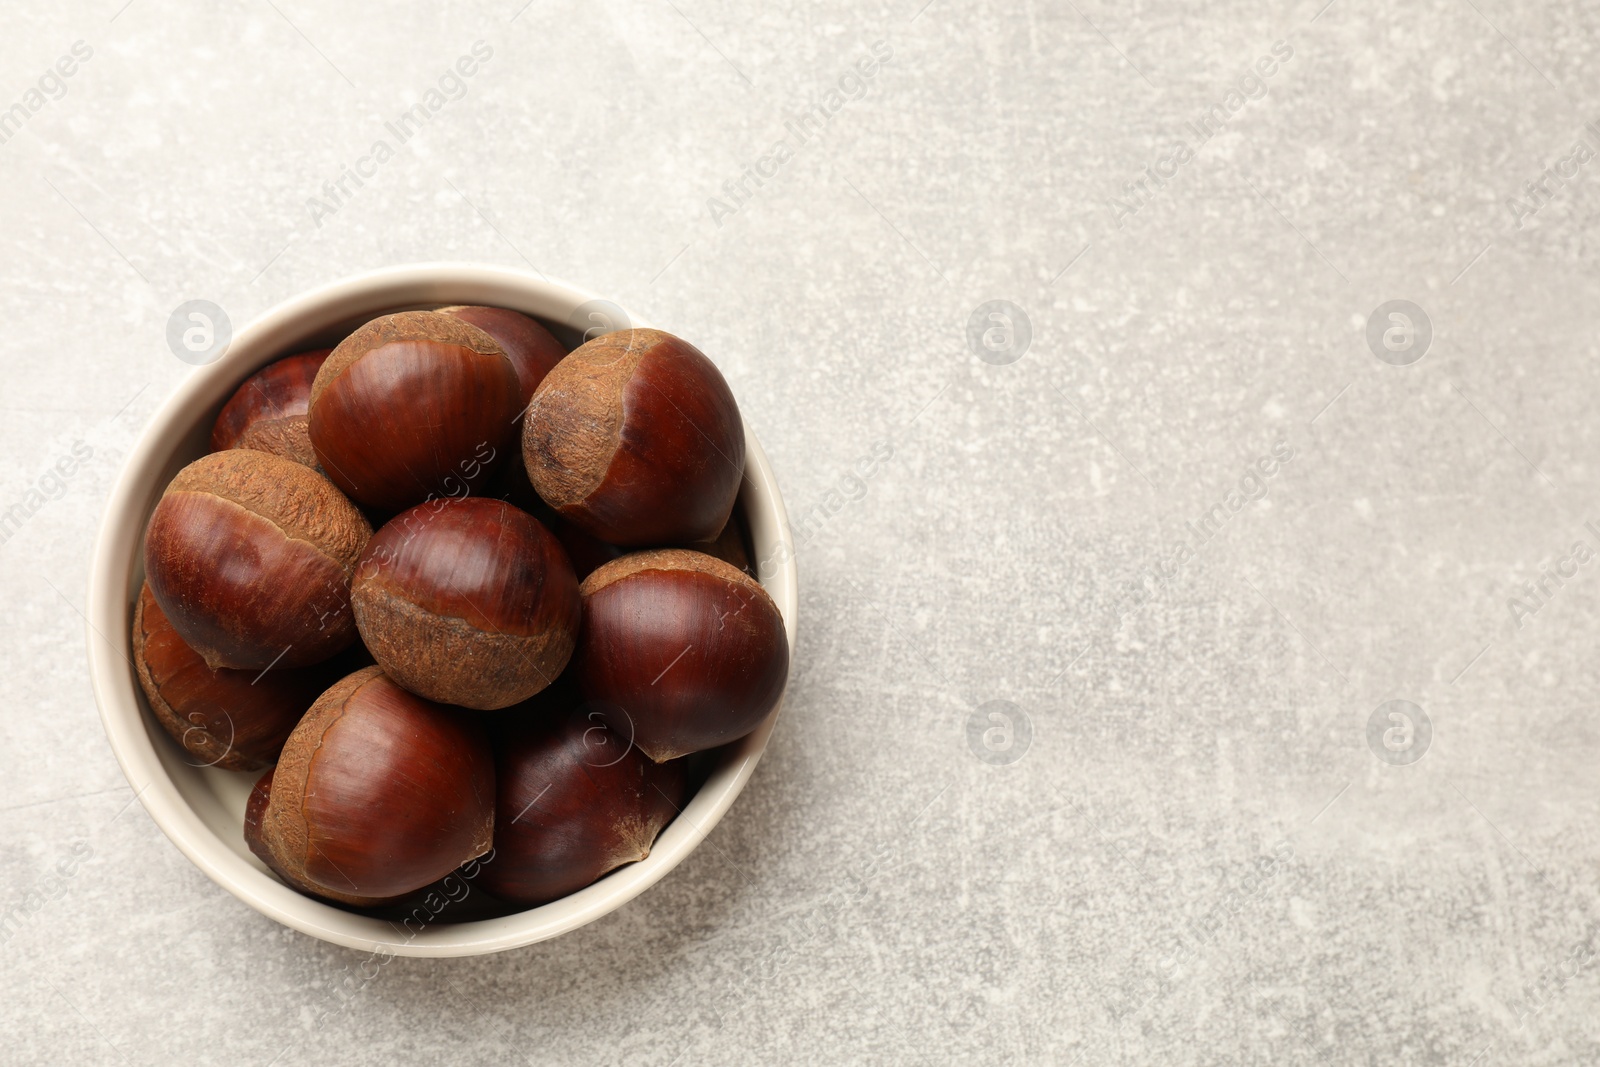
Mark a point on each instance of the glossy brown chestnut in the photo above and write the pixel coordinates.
(533, 350)
(378, 792)
(679, 650)
(413, 406)
(414, 910)
(236, 720)
(468, 601)
(573, 801)
(636, 438)
(268, 412)
(250, 556)
(255, 809)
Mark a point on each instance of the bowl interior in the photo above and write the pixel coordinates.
(202, 808)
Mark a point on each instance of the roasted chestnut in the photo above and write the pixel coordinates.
(413, 406)
(250, 557)
(574, 800)
(377, 793)
(679, 651)
(268, 412)
(467, 601)
(636, 439)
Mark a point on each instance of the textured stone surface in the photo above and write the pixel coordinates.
(1199, 859)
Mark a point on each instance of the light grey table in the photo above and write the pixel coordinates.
(1177, 517)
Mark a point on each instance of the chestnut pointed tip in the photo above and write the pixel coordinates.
(661, 753)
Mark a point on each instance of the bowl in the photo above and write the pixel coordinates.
(201, 809)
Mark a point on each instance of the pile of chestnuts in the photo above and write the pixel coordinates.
(465, 597)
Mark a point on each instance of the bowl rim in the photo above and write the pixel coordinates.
(115, 569)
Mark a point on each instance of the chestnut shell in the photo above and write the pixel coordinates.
(413, 406)
(679, 650)
(468, 601)
(250, 556)
(255, 810)
(636, 439)
(269, 412)
(379, 792)
(574, 801)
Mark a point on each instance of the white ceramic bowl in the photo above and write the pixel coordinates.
(202, 809)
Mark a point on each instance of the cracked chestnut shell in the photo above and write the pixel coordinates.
(413, 406)
(574, 801)
(636, 439)
(269, 411)
(377, 793)
(468, 601)
(679, 650)
(250, 556)
(532, 349)
(236, 720)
